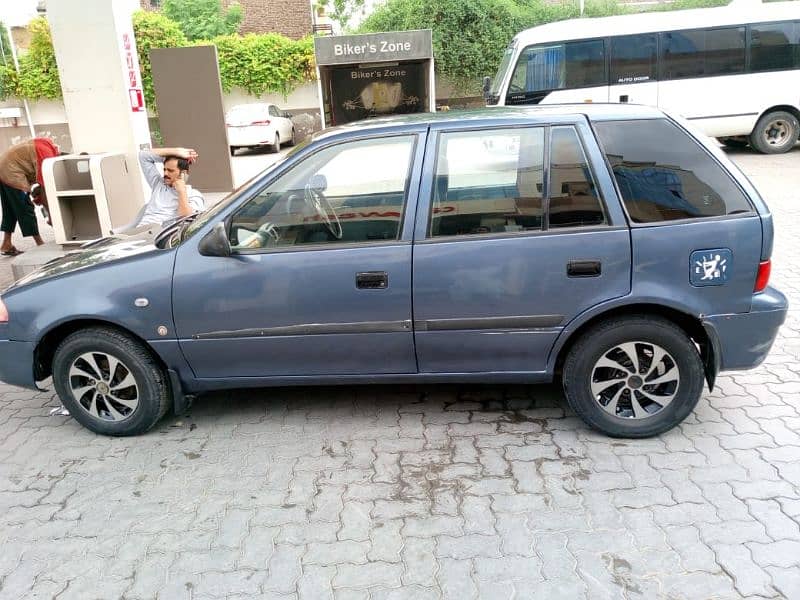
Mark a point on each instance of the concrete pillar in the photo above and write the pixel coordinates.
(100, 79)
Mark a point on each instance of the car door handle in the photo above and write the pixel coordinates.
(584, 268)
(372, 280)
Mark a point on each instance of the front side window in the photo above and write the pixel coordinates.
(352, 192)
(559, 66)
(774, 46)
(633, 58)
(489, 181)
(664, 174)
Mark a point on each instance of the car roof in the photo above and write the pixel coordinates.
(499, 115)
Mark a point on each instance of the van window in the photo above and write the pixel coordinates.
(774, 46)
(703, 52)
(557, 66)
(663, 174)
(488, 182)
(633, 58)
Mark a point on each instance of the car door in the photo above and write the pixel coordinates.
(319, 282)
(282, 124)
(518, 232)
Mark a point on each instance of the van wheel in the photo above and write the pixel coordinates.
(633, 377)
(109, 382)
(775, 132)
(276, 147)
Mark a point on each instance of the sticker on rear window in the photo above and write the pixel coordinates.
(710, 267)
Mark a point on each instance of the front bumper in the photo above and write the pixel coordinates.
(742, 341)
(16, 363)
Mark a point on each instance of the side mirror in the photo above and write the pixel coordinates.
(487, 85)
(318, 182)
(216, 242)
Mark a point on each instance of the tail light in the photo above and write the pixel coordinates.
(260, 122)
(762, 279)
(3, 312)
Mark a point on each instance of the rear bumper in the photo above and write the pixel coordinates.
(16, 363)
(251, 136)
(742, 341)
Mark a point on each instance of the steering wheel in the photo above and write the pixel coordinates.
(323, 208)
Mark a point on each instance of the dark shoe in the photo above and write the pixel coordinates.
(12, 252)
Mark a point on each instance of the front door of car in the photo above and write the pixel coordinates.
(319, 282)
(513, 240)
(282, 124)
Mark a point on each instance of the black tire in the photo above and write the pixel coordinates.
(276, 147)
(734, 142)
(151, 392)
(293, 139)
(601, 342)
(775, 133)
(233, 150)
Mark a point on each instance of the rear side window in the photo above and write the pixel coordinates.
(573, 195)
(774, 46)
(664, 175)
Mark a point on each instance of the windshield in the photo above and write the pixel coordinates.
(503, 69)
(207, 215)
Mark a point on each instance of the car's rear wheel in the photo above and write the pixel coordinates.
(276, 147)
(293, 139)
(233, 150)
(775, 132)
(633, 376)
(109, 382)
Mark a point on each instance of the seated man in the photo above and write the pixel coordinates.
(171, 196)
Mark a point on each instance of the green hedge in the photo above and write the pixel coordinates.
(259, 64)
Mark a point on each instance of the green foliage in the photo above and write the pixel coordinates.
(469, 36)
(342, 10)
(154, 30)
(38, 72)
(266, 63)
(8, 74)
(203, 19)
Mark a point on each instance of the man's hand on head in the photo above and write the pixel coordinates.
(189, 154)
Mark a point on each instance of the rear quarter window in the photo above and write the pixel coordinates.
(665, 175)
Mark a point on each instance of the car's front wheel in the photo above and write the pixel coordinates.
(634, 376)
(110, 382)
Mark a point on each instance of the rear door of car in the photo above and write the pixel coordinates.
(518, 231)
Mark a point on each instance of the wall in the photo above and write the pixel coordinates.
(291, 18)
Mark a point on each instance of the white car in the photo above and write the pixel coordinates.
(259, 125)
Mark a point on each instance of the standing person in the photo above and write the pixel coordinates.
(20, 169)
(172, 197)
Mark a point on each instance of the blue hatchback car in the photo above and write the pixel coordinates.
(604, 245)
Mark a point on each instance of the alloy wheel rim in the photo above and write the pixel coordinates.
(103, 386)
(635, 380)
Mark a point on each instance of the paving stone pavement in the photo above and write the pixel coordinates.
(418, 492)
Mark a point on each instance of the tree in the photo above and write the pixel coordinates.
(8, 74)
(203, 19)
(342, 10)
